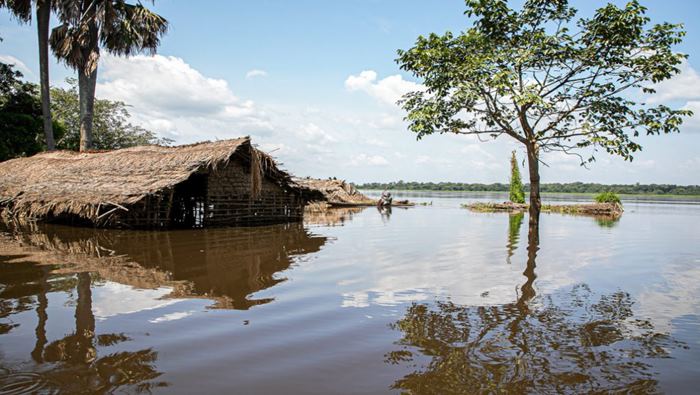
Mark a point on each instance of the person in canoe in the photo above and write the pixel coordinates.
(385, 199)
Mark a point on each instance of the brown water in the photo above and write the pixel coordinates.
(432, 299)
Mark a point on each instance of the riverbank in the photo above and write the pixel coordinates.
(586, 194)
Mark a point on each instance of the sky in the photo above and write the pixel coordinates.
(315, 83)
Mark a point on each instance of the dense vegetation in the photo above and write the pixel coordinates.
(608, 197)
(85, 28)
(573, 187)
(21, 132)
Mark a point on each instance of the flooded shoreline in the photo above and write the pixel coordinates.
(432, 299)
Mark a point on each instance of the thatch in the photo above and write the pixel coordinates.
(94, 184)
(334, 191)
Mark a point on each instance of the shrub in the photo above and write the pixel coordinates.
(517, 192)
(608, 197)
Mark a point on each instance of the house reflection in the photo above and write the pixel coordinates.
(576, 341)
(225, 264)
(334, 216)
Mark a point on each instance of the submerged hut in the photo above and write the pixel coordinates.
(218, 183)
(333, 191)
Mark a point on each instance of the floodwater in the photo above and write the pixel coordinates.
(428, 300)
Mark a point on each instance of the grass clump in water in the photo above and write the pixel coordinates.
(608, 197)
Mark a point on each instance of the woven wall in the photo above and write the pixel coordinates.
(224, 199)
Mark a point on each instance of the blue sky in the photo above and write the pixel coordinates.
(314, 82)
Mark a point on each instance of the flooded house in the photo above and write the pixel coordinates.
(222, 183)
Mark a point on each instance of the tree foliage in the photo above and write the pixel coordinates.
(112, 126)
(121, 29)
(21, 127)
(517, 192)
(546, 79)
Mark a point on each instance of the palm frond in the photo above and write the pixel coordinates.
(133, 29)
(20, 9)
(71, 44)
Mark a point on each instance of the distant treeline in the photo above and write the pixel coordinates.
(573, 187)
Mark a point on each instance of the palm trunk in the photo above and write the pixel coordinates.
(43, 15)
(84, 320)
(43, 303)
(86, 87)
(87, 80)
(534, 169)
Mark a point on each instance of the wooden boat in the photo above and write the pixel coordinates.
(400, 203)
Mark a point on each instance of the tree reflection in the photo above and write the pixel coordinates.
(575, 341)
(515, 222)
(607, 221)
(73, 364)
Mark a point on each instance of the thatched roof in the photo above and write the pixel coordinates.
(334, 191)
(66, 182)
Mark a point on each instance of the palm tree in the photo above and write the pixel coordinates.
(121, 28)
(22, 9)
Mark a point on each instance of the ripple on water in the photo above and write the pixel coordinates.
(14, 383)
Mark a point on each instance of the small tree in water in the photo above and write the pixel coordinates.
(517, 192)
(552, 82)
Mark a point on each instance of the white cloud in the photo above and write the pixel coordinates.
(312, 132)
(114, 298)
(472, 150)
(19, 65)
(385, 121)
(387, 90)
(422, 159)
(692, 124)
(173, 99)
(255, 73)
(172, 316)
(692, 164)
(376, 142)
(683, 86)
(368, 160)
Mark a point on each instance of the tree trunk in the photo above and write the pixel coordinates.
(534, 169)
(43, 15)
(84, 320)
(86, 86)
(43, 303)
(87, 79)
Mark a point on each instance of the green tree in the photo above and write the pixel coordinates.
(517, 192)
(121, 28)
(112, 129)
(22, 9)
(21, 131)
(546, 79)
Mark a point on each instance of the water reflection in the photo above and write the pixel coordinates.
(574, 341)
(226, 265)
(385, 212)
(515, 222)
(336, 216)
(607, 221)
(77, 362)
